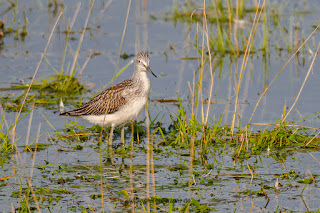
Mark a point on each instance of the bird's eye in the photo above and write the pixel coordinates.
(139, 61)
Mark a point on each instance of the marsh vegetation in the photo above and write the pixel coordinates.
(232, 123)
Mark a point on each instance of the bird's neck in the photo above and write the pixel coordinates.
(141, 79)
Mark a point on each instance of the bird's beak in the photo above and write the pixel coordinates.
(149, 70)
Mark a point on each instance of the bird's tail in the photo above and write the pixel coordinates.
(69, 113)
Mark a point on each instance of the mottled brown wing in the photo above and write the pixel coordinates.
(107, 102)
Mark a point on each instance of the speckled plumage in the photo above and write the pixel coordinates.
(119, 103)
(107, 102)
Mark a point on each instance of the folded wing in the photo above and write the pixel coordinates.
(107, 102)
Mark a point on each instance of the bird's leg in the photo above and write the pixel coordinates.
(122, 136)
(110, 136)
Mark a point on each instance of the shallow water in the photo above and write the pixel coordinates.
(219, 185)
(223, 187)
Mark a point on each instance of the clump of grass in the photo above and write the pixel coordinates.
(246, 142)
(6, 146)
(14, 104)
(60, 83)
(281, 136)
(45, 91)
(54, 86)
(73, 131)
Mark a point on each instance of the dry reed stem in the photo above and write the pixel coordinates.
(204, 117)
(245, 59)
(241, 139)
(29, 128)
(306, 204)
(202, 54)
(144, 4)
(192, 140)
(251, 173)
(131, 168)
(302, 86)
(252, 205)
(75, 14)
(192, 153)
(86, 62)
(264, 192)
(312, 139)
(35, 152)
(194, 104)
(236, 29)
(29, 125)
(48, 135)
(145, 17)
(229, 19)
(311, 176)
(153, 178)
(148, 160)
(211, 75)
(314, 158)
(92, 209)
(275, 77)
(137, 41)
(202, 58)
(75, 59)
(192, 92)
(29, 210)
(122, 38)
(110, 150)
(101, 12)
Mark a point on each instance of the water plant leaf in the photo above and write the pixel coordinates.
(305, 181)
(125, 194)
